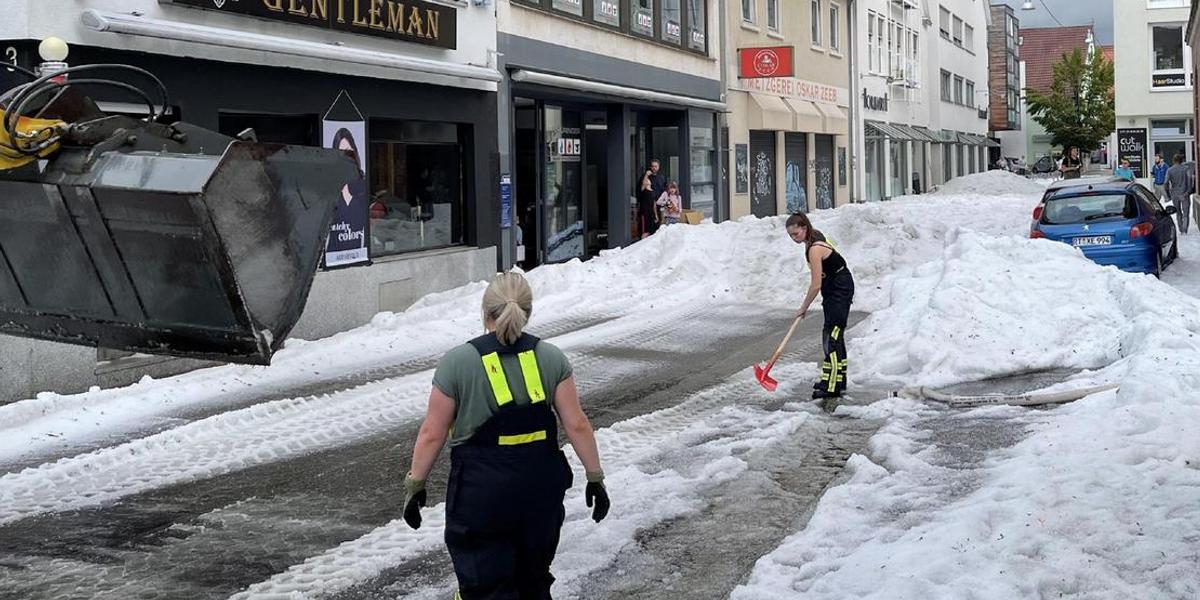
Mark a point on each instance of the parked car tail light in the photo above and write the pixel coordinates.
(1140, 230)
(1035, 234)
(1037, 212)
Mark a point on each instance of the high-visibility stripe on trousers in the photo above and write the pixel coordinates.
(837, 293)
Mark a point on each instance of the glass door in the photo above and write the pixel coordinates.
(562, 183)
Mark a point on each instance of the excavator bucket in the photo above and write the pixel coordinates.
(165, 239)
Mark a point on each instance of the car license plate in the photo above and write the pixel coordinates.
(1092, 240)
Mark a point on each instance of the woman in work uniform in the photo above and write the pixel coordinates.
(831, 278)
(496, 398)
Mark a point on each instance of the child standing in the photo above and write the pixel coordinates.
(672, 204)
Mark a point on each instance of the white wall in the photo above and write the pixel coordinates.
(1135, 97)
(476, 43)
(906, 105)
(972, 66)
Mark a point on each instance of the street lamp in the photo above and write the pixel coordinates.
(1028, 5)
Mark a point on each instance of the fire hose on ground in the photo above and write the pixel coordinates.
(1025, 399)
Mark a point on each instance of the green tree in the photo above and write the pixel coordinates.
(1079, 110)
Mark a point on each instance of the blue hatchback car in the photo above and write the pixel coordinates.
(1113, 221)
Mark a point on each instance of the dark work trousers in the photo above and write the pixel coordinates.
(504, 510)
(837, 292)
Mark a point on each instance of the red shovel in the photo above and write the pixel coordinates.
(761, 373)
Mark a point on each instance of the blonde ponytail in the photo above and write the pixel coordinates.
(507, 304)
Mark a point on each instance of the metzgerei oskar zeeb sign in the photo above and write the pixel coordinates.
(407, 20)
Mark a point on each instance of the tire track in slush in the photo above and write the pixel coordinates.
(193, 529)
(399, 568)
(630, 448)
(267, 432)
(236, 393)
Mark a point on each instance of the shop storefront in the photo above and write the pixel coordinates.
(420, 218)
(582, 130)
(907, 149)
(789, 139)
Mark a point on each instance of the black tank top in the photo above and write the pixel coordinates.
(833, 263)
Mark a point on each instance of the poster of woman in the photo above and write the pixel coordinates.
(343, 128)
(347, 242)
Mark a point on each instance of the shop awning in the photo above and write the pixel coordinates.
(921, 134)
(836, 121)
(990, 143)
(807, 117)
(948, 137)
(927, 133)
(884, 130)
(770, 112)
(911, 133)
(584, 85)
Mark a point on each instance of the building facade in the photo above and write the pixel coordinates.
(1041, 49)
(593, 91)
(921, 78)
(415, 82)
(1154, 81)
(788, 122)
(1004, 79)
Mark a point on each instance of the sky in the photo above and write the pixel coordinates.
(1069, 12)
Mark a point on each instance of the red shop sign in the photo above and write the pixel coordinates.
(765, 62)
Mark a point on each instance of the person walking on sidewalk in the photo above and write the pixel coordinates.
(1181, 184)
(831, 278)
(1159, 172)
(499, 398)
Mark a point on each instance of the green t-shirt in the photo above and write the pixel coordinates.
(460, 375)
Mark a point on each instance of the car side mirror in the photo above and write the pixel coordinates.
(1170, 210)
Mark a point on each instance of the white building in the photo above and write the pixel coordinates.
(920, 78)
(1153, 81)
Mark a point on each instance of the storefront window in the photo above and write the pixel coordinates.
(697, 25)
(643, 17)
(672, 21)
(1170, 58)
(572, 7)
(703, 175)
(562, 184)
(607, 12)
(416, 186)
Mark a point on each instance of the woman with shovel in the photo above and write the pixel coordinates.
(831, 278)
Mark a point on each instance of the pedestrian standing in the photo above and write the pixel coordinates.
(1159, 172)
(1124, 171)
(1180, 186)
(831, 278)
(653, 186)
(496, 398)
(672, 204)
(1072, 164)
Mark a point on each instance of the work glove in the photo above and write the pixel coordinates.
(595, 493)
(414, 501)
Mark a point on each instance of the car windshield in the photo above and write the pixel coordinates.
(1087, 208)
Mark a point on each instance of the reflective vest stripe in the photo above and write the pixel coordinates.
(495, 373)
(524, 438)
(533, 377)
(833, 360)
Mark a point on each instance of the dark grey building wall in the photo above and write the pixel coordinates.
(525, 53)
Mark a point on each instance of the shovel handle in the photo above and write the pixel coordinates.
(782, 344)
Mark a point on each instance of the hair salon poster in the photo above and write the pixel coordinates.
(343, 129)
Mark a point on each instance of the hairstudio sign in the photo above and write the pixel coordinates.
(406, 20)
